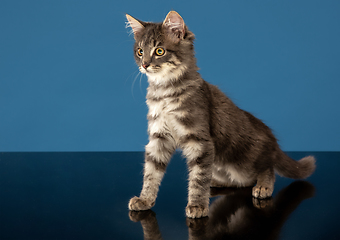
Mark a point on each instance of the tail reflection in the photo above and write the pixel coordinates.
(236, 215)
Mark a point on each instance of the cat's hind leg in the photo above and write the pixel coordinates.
(265, 184)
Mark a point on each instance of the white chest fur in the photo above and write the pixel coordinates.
(164, 120)
(164, 107)
(165, 114)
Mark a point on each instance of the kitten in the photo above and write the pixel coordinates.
(224, 146)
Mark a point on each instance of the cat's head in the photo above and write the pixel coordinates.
(163, 51)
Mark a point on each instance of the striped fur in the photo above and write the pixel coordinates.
(224, 145)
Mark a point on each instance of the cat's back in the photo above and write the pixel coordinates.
(222, 108)
(233, 128)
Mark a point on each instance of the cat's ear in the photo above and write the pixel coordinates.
(136, 26)
(174, 26)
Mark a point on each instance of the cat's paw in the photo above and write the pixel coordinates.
(262, 192)
(196, 211)
(138, 204)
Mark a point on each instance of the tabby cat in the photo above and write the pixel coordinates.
(224, 146)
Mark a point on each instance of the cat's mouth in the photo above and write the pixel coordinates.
(163, 73)
(149, 70)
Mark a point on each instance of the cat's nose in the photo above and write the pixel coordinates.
(145, 65)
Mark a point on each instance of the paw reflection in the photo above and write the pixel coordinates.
(149, 223)
(137, 216)
(262, 203)
(235, 214)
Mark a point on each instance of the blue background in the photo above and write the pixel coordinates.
(68, 81)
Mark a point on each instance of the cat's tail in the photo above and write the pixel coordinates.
(287, 167)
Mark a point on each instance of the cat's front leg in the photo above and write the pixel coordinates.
(199, 155)
(157, 156)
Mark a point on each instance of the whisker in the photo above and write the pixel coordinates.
(133, 83)
(130, 76)
(140, 84)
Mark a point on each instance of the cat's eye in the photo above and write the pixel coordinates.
(139, 52)
(159, 51)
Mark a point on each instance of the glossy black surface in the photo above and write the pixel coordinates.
(85, 196)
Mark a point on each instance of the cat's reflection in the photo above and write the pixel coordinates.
(236, 215)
